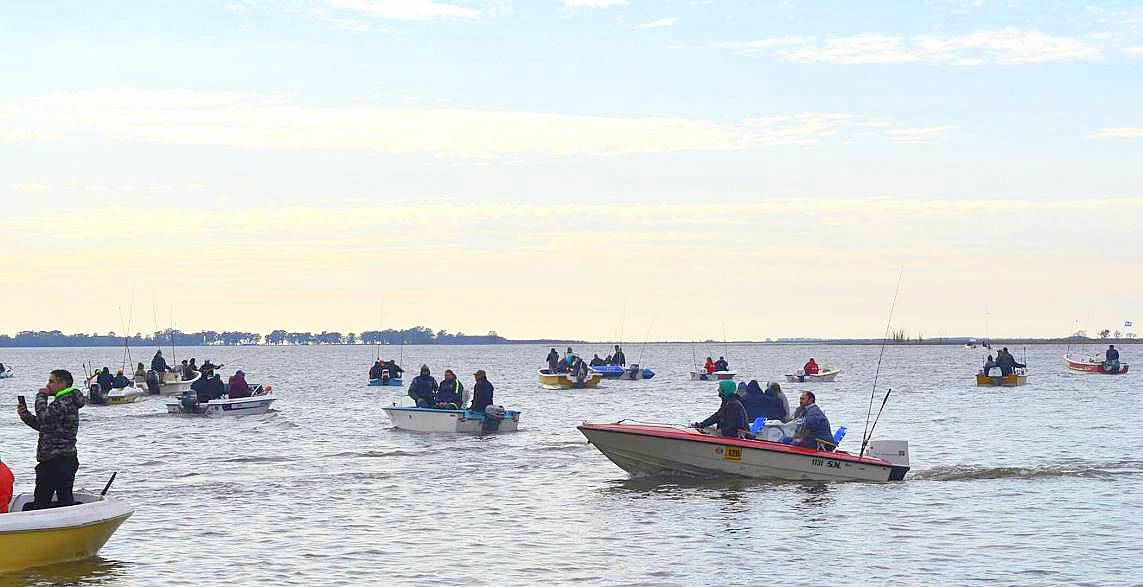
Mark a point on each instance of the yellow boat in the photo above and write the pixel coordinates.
(551, 380)
(44, 537)
(1002, 380)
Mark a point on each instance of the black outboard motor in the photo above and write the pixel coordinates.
(384, 377)
(189, 400)
(152, 382)
(493, 416)
(95, 393)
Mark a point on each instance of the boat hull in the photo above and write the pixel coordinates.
(172, 385)
(716, 376)
(617, 372)
(45, 537)
(450, 421)
(825, 376)
(1012, 380)
(1093, 365)
(656, 450)
(243, 406)
(391, 382)
(551, 380)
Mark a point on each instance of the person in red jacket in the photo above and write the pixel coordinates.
(709, 366)
(811, 368)
(237, 386)
(7, 481)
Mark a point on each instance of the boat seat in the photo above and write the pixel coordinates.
(838, 435)
(757, 424)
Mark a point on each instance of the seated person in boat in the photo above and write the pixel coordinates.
(709, 365)
(193, 367)
(423, 389)
(450, 392)
(618, 358)
(237, 386)
(209, 368)
(481, 392)
(152, 382)
(105, 380)
(140, 372)
(1110, 362)
(596, 361)
(184, 371)
(375, 370)
(553, 360)
(394, 370)
(209, 388)
(731, 415)
(780, 404)
(760, 403)
(158, 363)
(814, 429)
(989, 364)
(120, 381)
(721, 365)
(811, 367)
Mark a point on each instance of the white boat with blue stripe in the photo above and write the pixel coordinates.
(493, 419)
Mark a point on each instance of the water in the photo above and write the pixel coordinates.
(1027, 486)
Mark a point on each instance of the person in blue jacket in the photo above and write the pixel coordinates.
(754, 400)
(814, 426)
(423, 389)
(1111, 360)
(450, 393)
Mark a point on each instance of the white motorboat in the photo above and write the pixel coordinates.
(800, 376)
(651, 449)
(121, 395)
(701, 375)
(172, 383)
(494, 419)
(259, 403)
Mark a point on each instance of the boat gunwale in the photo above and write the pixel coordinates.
(116, 510)
(440, 410)
(674, 433)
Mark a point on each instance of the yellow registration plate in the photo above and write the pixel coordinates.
(733, 453)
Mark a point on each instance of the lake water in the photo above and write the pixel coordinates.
(1034, 485)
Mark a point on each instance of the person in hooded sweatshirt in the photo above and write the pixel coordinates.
(731, 416)
(376, 369)
(778, 402)
(105, 380)
(58, 425)
(158, 363)
(755, 401)
(450, 392)
(553, 360)
(481, 392)
(237, 386)
(423, 389)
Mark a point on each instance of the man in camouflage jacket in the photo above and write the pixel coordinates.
(58, 424)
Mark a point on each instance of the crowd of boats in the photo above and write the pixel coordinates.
(753, 433)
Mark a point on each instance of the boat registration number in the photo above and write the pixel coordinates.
(732, 453)
(825, 463)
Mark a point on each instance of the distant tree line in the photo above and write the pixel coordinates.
(168, 337)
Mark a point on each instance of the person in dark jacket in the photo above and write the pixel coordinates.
(1111, 359)
(395, 371)
(721, 365)
(215, 388)
(450, 392)
(423, 389)
(209, 368)
(778, 402)
(201, 390)
(120, 381)
(989, 365)
(152, 382)
(184, 371)
(596, 361)
(553, 359)
(731, 416)
(375, 370)
(1007, 362)
(105, 380)
(618, 358)
(814, 426)
(58, 425)
(193, 366)
(754, 401)
(159, 364)
(481, 392)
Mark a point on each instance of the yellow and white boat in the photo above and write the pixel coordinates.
(44, 537)
(552, 380)
(1002, 380)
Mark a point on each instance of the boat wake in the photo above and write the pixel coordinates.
(1079, 470)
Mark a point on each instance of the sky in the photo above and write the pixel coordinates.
(595, 169)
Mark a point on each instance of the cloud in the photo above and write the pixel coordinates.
(593, 3)
(1004, 46)
(406, 9)
(662, 22)
(1122, 132)
(253, 121)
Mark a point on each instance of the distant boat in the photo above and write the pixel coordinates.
(494, 419)
(715, 376)
(632, 372)
(551, 380)
(800, 376)
(256, 404)
(386, 381)
(1092, 364)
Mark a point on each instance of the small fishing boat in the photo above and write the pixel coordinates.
(122, 395)
(172, 383)
(632, 372)
(552, 380)
(653, 449)
(493, 419)
(715, 376)
(44, 537)
(386, 381)
(259, 403)
(1011, 380)
(1093, 364)
(800, 376)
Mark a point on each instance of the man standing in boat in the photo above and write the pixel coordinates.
(618, 358)
(58, 425)
(553, 360)
(1111, 360)
(159, 364)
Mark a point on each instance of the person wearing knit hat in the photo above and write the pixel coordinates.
(731, 415)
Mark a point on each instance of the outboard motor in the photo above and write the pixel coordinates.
(493, 416)
(152, 382)
(633, 371)
(189, 401)
(95, 392)
(384, 377)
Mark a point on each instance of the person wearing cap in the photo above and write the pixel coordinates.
(814, 431)
(450, 392)
(58, 425)
(731, 415)
(237, 386)
(423, 389)
(481, 392)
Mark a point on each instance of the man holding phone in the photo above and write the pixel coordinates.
(58, 424)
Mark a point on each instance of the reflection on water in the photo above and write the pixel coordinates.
(1030, 485)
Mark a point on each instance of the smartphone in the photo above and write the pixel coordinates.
(23, 402)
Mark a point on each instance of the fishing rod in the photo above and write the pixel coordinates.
(875, 420)
(644, 347)
(877, 372)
